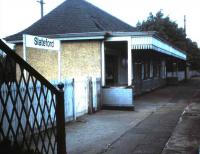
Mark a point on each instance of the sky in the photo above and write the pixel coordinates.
(16, 15)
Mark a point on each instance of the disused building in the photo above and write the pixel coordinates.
(97, 44)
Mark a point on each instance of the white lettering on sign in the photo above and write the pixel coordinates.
(41, 42)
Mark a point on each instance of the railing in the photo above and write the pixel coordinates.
(34, 127)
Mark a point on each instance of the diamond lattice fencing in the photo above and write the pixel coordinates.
(31, 108)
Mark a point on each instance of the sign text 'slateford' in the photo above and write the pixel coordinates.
(41, 42)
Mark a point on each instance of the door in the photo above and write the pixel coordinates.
(111, 70)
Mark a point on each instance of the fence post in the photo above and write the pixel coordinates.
(90, 96)
(99, 92)
(74, 100)
(60, 121)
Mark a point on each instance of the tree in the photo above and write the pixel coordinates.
(170, 31)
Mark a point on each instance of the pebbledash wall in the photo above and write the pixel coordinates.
(79, 59)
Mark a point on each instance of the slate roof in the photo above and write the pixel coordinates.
(74, 16)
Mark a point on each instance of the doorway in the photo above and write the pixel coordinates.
(116, 65)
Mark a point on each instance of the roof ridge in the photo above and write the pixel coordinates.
(107, 13)
(96, 23)
(74, 16)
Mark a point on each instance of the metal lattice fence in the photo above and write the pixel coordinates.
(31, 109)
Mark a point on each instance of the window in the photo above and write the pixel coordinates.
(151, 69)
(146, 70)
(142, 71)
(154, 70)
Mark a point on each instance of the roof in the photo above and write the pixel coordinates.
(74, 16)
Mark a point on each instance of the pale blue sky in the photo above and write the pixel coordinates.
(16, 15)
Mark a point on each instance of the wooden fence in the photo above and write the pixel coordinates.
(81, 96)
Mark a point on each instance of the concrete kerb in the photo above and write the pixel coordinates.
(186, 135)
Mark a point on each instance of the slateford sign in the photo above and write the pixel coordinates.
(41, 42)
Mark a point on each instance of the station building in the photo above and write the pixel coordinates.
(97, 44)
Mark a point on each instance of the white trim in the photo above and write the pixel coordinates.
(59, 64)
(140, 40)
(129, 62)
(102, 64)
(69, 39)
(24, 52)
(81, 38)
(123, 38)
(24, 47)
(14, 42)
(150, 42)
(129, 53)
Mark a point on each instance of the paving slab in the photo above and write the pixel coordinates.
(155, 129)
(186, 137)
(94, 133)
(143, 131)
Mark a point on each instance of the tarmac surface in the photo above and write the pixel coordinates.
(165, 121)
(186, 136)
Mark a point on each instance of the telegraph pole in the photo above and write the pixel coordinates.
(42, 7)
(185, 24)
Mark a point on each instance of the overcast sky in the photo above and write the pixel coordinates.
(16, 15)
